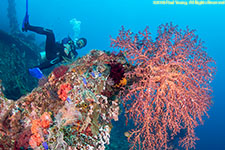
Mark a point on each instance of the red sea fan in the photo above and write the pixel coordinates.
(173, 91)
(60, 71)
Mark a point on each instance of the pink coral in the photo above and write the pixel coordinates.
(172, 91)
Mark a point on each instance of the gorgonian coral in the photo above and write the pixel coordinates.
(173, 91)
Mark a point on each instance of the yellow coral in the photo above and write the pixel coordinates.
(123, 82)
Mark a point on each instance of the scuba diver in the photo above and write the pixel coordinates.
(55, 52)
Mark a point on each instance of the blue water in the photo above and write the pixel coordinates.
(101, 18)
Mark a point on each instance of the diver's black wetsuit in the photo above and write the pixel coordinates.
(54, 50)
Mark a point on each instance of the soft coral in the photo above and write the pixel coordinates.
(63, 91)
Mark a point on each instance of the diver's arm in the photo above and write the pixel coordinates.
(49, 63)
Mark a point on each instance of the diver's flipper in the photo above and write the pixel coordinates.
(26, 19)
(25, 23)
(36, 72)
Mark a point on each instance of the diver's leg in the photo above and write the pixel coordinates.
(50, 47)
(50, 40)
(39, 30)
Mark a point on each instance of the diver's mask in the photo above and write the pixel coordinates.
(80, 43)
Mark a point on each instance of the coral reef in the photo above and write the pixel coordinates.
(164, 85)
(68, 111)
(171, 91)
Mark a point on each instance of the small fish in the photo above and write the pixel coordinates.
(93, 74)
(45, 145)
(99, 75)
(68, 99)
(84, 80)
(127, 134)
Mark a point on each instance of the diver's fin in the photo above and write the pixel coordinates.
(26, 19)
(36, 72)
(25, 23)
